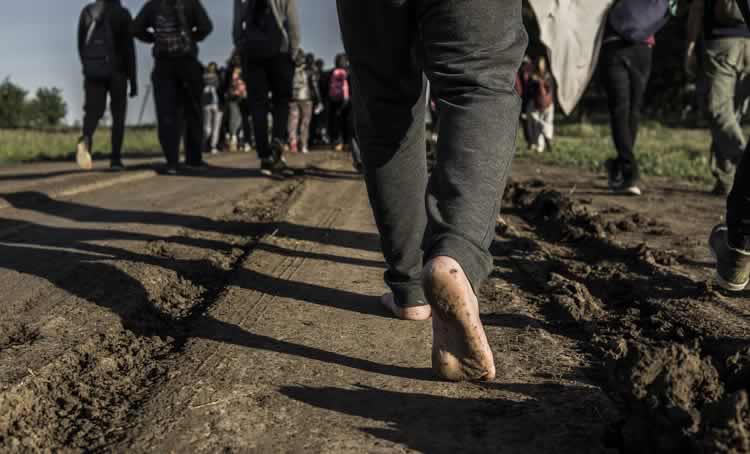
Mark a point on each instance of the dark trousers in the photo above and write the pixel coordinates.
(96, 92)
(274, 75)
(626, 68)
(340, 121)
(178, 85)
(471, 50)
(738, 206)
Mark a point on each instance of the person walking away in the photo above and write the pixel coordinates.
(175, 27)
(237, 94)
(321, 119)
(542, 88)
(436, 230)
(107, 53)
(267, 35)
(212, 107)
(726, 61)
(304, 97)
(339, 101)
(523, 87)
(626, 67)
(730, 242)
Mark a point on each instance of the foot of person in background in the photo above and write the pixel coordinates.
(83, 153)
(214, 151)
(233, 144)
(460, 350)
(117, 166)
(305, 150)
(415, 314)
(293, 148)
(626, 189)
(359, 167)
(247, 148)
(732, 265)
(338, 148)
(170, 170)
(721, 189)
(197, 167)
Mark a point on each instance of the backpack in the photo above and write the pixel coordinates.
(171, 36)
(98, 52)
(727, 12)
(636, 20)
(338, 86)
(262, 36)
(545, 95)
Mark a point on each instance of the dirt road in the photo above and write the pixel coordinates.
(227, 312)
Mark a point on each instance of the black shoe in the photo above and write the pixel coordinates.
(721, 189)
(117, 166)
(267, 166)
(732, 265)
(171, 170)
(614, 173)
(200, 166)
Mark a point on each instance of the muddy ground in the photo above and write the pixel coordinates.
(252, 324)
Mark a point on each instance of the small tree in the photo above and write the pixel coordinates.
(47, 109)
(12, 105)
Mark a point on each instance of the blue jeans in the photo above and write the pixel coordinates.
(470, 51)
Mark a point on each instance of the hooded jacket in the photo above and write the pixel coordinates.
(120, 22)
(287, 18)
(198, 22)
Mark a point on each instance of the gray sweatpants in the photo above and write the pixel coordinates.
(470, 51)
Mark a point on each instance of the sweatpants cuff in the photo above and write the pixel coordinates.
(476, 263)
(407, 294)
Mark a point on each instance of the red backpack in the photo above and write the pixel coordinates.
(338, 88)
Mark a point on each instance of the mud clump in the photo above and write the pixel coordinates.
(665, 387)
(655, 257)
(727, 426)
(562, 220)
(571, 301)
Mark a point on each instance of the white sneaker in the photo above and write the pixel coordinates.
(247, 148)
(214, 151)
(83, 155)
(305, 150)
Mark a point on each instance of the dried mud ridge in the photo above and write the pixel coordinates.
(673, 356)
(84, 399)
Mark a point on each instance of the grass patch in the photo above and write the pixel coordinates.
(661, 151)
(31, 145)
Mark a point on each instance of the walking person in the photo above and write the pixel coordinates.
(175, 27)
(436, 231)
(212, 107)
(626, 68)
(267, 35)
(339, 104)
(237, 94)
(541, 86)
(305, 97)
(321, 116)
(107, 52)
(726, 43)
(730, 242)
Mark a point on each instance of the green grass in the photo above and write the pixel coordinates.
(30, 145)
(661, 151)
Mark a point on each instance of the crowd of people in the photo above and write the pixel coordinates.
(435, 226)
(211, 107)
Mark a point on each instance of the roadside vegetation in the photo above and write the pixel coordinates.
(25, 145)
(661, 150)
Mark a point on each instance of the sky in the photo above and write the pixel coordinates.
(39, 44)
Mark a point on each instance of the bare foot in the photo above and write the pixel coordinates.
(460, 350)
(417, 313)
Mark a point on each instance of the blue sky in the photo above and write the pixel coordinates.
(39, 47)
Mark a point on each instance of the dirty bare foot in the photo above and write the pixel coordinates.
(460, 350)
(417, 313)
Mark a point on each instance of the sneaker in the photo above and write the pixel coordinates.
(720, 189)
(83, 153)
(233, 143)
(614, 175)
(271, 167)
(170, 170)
(214, 151)
(732, 265)
(247, 148)
(339, 147)
(305, 150)
(627, 189)
(203, 165)
(117, 166)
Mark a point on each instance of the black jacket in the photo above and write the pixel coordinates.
(198, 22)
(120, 22)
